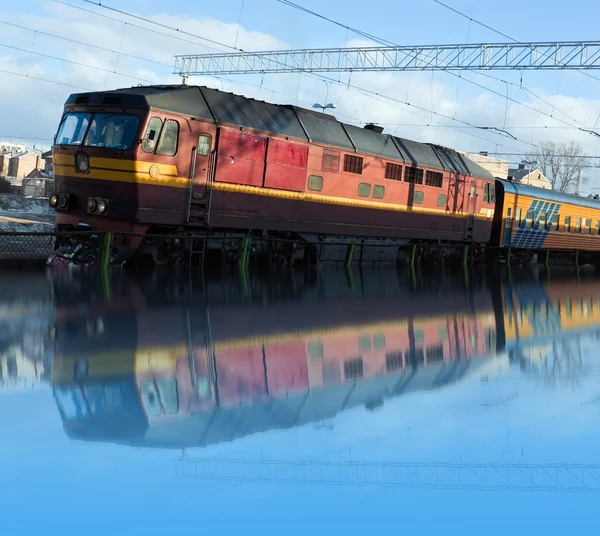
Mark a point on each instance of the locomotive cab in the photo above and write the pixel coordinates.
(123, 165)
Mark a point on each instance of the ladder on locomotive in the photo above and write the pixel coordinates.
(198, 339)
(199, 205)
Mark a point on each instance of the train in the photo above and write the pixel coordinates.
(150, 163)
(178, 376)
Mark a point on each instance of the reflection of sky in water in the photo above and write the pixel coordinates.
(547, 414)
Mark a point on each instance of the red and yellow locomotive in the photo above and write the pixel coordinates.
(167, 159)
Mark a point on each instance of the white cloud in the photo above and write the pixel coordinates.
(35, 106)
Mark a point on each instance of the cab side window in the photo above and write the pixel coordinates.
(203, 145)
(152, 134)
(167, 145)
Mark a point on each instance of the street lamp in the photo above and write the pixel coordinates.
(324, 107)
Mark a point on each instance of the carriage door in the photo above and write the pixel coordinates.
(202, 167)
(471, 210)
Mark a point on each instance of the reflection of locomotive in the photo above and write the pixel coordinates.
(173, 159)
(183, 376)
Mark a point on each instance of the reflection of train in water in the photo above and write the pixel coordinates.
(184, 377)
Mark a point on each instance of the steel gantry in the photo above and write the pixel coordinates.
(558, 477)
(473, 57)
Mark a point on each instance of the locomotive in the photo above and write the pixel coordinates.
(173, 160)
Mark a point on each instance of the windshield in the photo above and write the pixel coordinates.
(98, 401)
(109, 130)
(73, 128)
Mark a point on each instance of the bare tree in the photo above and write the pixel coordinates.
(562, 164)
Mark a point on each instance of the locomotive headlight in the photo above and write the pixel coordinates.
(102, 206)
(54, 200)
(92, 205)
(82, 162)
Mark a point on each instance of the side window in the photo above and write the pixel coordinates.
(203, 145)
(542, 220)
(588, 226)
(167, 145)
(315, 183)
(555, 222)
(577, 225)
(519, 217)
(598, 227)
(418, 198)
(151, 136)
(486, 193)
(508, 217)
(442, 200)
(364, 189)
(529, 219)
(378, 192)
(567, 227)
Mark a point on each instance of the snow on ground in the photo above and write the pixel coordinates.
(19, 227)
(18, 203)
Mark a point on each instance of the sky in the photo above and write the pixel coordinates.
(39, 71)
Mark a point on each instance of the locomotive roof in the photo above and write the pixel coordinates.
(288, 120)
(550, 195)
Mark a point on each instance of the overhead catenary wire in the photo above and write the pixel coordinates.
(193, 35)
(386, 42)
(369, 93)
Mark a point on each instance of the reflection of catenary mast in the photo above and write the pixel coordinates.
(558, 477)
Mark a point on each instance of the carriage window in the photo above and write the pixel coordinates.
(598, 227)
(203, 145)
(567, 226)
(588, 226)
(151, 136)
(315, 183)
(508, 216)
(364, 189)
(529, 219)
(543, 219)
(418, 198)
(577, 225)
(167, 145)
(555, 222)
(519, 217)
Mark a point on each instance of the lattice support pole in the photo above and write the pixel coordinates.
(244, 253)
(413, 255)
(465, 256)
(105, 250)
(349, 255)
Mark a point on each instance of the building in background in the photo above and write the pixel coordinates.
(529, 176)
(22, 164)
(9, 147)
(496, 166)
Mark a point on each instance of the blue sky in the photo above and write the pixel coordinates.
(267, 24)
(56, 485)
